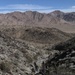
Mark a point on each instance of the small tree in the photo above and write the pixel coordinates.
(5, 66)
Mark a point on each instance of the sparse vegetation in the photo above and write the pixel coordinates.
(5, 66)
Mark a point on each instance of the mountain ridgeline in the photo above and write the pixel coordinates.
(55, 19)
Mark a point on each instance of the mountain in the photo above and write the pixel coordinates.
(55, 19)
(69, 17)
(59, 63)
(57, 13)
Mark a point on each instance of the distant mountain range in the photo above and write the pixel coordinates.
(56, 19)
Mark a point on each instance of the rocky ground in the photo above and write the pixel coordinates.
(21, 56)
(17, 56)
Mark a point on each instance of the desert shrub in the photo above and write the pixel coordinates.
(5, 66)
(36, 56)
(16, 55)
(29, 58)
(58, 47)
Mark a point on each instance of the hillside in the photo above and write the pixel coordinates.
(37, 34)
(22, 48)
(62, 62)
(17, 56)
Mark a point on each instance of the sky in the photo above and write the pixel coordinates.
(43, 6)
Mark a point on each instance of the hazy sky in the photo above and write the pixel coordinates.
(37, 5)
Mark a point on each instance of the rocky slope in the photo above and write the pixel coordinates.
(17, 56)
(20, 56)
(69, 44)
(62, 62)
